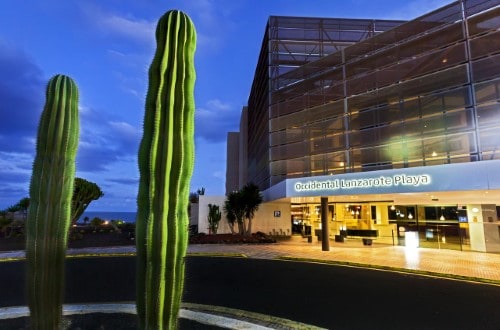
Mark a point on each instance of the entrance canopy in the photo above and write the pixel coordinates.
(475, 182)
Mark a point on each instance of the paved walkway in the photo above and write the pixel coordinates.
(474, 265)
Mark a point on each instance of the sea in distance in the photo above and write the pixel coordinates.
(125, 216)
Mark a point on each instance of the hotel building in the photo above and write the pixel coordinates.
(377, 125)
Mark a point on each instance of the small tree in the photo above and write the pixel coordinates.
(83, 194)
(252, 198)
(214, 216)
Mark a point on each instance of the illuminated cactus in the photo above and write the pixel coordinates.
(166, 158)
(51, 189)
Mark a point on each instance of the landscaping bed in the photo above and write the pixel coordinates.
(80, 237)
(257, 238)
(87, 236)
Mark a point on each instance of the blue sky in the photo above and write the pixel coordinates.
(106, 46)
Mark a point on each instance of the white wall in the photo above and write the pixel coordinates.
(264, 221)
(193, 217)
(203, 202)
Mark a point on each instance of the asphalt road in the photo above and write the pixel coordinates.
(333, 297)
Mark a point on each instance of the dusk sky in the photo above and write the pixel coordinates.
(106, 46)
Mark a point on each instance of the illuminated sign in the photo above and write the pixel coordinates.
(363, 183)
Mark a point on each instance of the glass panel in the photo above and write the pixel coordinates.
(461, 120)
(487, 91)
(484, 22)
(410, 89)
(318, 165)
(414, 150)
(411, 108)
(296, 166)
(489, 115)
(389, 113)
(336, 162)
(413, 128)
(389, 132)
(292, 150)
(461, 144)
(487, 68)
(433, 125)
(489, 140)
(278, 167)
(485, 45)
(277, 138)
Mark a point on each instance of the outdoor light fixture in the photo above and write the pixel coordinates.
(434, 154)
(475, 209)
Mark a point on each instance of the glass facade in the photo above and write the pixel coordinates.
(289, 44)
(334, 96)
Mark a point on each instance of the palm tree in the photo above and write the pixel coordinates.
(252, 198)
(235, 211)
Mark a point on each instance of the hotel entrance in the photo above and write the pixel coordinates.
(428, 226)
(418, 207)
(436, 226)
(351, 220)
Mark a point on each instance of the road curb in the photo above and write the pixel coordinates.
(477, 280)
(205, 314)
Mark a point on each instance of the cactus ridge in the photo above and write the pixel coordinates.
(166, 158)
(51, 189)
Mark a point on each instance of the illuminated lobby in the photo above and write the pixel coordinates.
(377, 126)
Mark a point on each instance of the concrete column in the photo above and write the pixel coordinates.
(325, 239)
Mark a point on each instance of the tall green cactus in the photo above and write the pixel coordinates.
(166, 158)
(49, 211)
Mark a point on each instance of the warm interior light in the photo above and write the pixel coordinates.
(442, 217)
(475, 209)
(434, 154)
(341, 164)
(411, 239)
(393, 207)
(410, 216)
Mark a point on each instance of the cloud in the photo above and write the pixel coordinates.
(22, 98)
(15, 173)
(105, 141)
(124, 181)
(137, 29)
(213, 121)
(130, 27)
